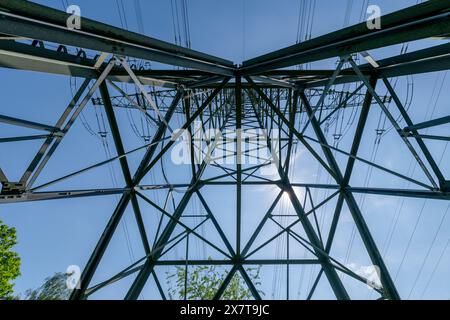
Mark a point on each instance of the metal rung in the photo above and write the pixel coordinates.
(12, 188)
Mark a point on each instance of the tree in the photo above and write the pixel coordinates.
(54, 288)
(9, 261)
(204, 281)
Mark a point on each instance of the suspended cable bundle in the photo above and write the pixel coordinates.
(307, 9)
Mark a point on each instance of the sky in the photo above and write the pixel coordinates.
(55, 234)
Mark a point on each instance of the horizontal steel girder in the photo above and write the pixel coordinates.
(59, 18)
(26, 19)
(417, 22)
(24, 27)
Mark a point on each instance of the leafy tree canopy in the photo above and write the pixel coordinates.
(202, 283)
(9, 261)
(54, 288)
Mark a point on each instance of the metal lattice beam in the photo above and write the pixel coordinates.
(258, 95)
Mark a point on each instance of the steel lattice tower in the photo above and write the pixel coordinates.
(259, 97)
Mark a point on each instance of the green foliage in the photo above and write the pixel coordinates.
(204, 281)
(9, 261)
(54, 288)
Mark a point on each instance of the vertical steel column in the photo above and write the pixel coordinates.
(419, 141)
(333, 278)
(123, 162)
(141, 279)
(238, 100)
(55, 140)
(107, 234)
(363, 229)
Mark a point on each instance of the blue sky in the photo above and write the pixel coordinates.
(55, 234)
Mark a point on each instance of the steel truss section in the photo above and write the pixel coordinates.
(221, 95)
